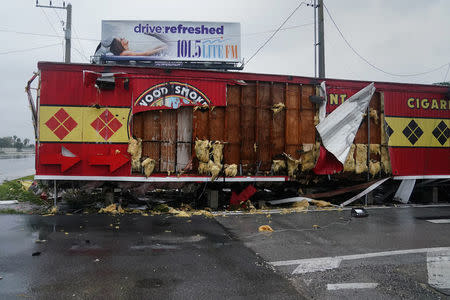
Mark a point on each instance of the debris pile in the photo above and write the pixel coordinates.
(292, 165)
(112, 209)
(265, 228)
(278, 165)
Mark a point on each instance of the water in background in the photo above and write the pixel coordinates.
(14, 166)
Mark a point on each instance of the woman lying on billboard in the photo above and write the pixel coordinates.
(119, 46)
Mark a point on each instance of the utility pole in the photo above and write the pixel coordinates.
(68, 29)
(315, 38)
(321, 42)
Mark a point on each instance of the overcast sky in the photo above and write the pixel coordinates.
(398, 36)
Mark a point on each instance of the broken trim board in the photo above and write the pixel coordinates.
(366, 191)
(323, 105)
(339, 128)
(6, 202)
(405, 190)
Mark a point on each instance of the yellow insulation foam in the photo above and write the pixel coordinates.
(214, 169)
(374, 115)
(374, 168)
(292, 165)
(385, 160)
(203, 168)
(304, 204)
(276, 108)
(217, 152)
(231, 170)
(361, 158)
(278, 165)
(202, 150)
(350, 164)
(375, 149)
(135, 150)
(149, 165)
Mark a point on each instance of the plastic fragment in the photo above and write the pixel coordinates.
(301, 205)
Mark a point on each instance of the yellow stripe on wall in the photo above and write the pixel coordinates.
(418, 132)
(83, 124)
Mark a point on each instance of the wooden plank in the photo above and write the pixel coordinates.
(151, 136)
(248, 118)
(233, 121)
(138, 120)
(307, 129)
(264, 118)
(184, 137)
(292, 133)
(200, 120)
(217, 124)
(168, 137)
(278, 121)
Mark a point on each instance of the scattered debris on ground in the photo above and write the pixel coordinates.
(265, 228)
(112, 209)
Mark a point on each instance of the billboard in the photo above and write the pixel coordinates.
(171, 41)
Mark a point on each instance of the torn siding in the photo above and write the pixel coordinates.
(339, 128)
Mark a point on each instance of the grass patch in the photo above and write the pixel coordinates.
(10, 211)
(13, 190)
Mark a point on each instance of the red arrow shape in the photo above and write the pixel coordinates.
(66, 162)
(114, 160)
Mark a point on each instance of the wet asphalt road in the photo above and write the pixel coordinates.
(309, 255)
(130, 257)
(318, 251)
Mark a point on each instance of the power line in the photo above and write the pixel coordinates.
(446, 73)
(82, 53)
(276, 31)
(372, 65)
(29, 49)
(53, 27)
(98, 40)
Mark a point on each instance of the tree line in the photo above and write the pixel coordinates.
(15, 142)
